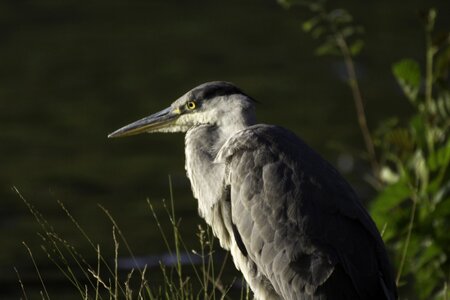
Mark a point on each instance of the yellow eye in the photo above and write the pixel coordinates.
(191, 105)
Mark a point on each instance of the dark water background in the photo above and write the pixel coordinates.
(73, 71)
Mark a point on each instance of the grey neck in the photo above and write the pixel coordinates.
(206, 177)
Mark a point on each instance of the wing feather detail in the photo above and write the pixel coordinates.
(301, 221)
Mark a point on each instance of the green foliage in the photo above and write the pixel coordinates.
(414, 204)
(335, 29)
(340, 36)
(411, 164)
(407, 73)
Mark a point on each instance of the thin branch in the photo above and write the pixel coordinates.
(429, 59)
(359, 104)
(408, 237)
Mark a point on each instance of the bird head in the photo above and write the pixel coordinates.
(215, 103)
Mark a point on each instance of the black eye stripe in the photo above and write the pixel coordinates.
(215, 89)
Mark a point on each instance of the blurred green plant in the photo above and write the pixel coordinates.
(414, 204)
(336, 29)
(339, 35)
(411, 165)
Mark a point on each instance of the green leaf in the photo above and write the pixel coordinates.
(439, 162)
(418, 126)
(439, 158)
(392, 196)
(356, 47)
(442, 209)
(407, 73)
(430, 252)
(400, 142)
(426, 282)
(347, 31)
(318, 31)
(387, 175)
(340, 16)
(308, 25)
(285, 3)
(443, 107)
(389, 233)
(329, 47)
(442, 64)
(316, 6)
(419, 166)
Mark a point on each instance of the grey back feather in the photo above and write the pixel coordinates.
(300, 220)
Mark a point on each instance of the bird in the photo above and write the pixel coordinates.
(293, 225)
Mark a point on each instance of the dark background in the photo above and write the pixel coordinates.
(73, 71)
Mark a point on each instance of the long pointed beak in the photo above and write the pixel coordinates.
(148, 124)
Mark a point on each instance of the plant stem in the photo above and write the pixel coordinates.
(22, 286)
(429, 59)
(176, 236)
(430, 109)
(38, 272)
(97, 286)
(319, 8)
(116, 264)
(429, 74)
(445, 290)
(358, 101)
(408, 237)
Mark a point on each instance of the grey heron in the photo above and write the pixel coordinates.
(294, 226)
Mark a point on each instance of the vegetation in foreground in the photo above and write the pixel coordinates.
(194, 274)
(409, 159)
(410, 172)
